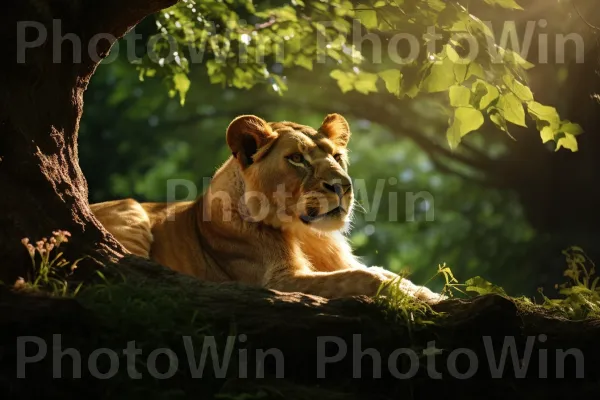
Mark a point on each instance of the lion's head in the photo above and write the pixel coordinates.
(294, 176)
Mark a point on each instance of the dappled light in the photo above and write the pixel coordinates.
(300, 199)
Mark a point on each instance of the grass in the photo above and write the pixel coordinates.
(158, 315)
(580, 294)
(155, 316)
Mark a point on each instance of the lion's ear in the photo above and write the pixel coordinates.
(336, 128)
(245, 135)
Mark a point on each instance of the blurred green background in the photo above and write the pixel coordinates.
(502, 209)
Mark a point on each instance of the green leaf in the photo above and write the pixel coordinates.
(460, 96)
(392, 79)
(547, 134)
(510, 4)
(453, 136)
(568, 142)
(146, 72)
(541, 112)
(344, 79)
(481, 287)
(280, 84)
(366, 82)
(453, 54)
(521, 91)
(571, 128)
(303, 61)
(512, 57)
(461, 72)
(363, 82)
(366, 15)
(437, 5)
(498, 119)
(491, 94)
(441, 77)
(512, 109)
(181, 83)
(466, 119)
(474, 68)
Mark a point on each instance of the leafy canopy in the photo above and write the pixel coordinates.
(425, 47)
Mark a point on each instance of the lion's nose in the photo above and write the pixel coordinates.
(338, 188)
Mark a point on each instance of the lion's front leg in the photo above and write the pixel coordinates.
(349, 282)
(343, 283)
(420, 292)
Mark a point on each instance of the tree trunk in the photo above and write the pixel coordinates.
(41, 103)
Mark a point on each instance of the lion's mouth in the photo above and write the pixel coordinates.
(312, 215)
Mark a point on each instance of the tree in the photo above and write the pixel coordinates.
(41, 103)
(40, 110)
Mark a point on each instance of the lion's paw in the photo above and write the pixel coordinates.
(420, 292)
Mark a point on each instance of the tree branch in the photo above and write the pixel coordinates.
(585, 21)
(444, 168)
(292, 323)
(117, 17)
(111, 20)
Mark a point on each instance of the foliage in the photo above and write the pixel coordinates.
(581, 293)
(52, 268)
(402, 307)
(134, 139)
(481, 287)
(236, 41)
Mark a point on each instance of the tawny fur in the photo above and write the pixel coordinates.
(219, 238)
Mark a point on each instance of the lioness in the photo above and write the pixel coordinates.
(274, 216)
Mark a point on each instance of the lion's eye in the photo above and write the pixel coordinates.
(296, 158)
(338, 157)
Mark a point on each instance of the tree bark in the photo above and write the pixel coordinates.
(41, 103)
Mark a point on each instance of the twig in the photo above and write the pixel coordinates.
(265, 24)
(592, 26)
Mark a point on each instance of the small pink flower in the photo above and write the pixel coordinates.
(19, 283)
